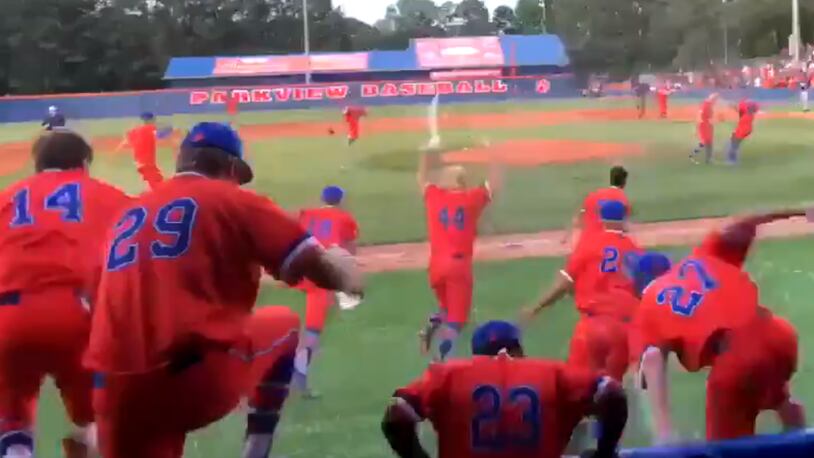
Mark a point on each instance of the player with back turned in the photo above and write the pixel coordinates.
(706, 310)
(453, 209)
(174, 341)
(587, 220)
(51, 224)
(500, 404)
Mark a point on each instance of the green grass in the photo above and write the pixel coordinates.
(379, 171)
(369, 352)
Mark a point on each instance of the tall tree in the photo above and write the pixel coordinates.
(529, 16)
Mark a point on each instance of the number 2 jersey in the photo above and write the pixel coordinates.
(452, 219)
(502, 407)
(701, 296)
(182, 269)
(52, 229)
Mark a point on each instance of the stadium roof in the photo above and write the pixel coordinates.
(423, 54)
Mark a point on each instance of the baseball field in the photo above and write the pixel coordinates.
(555, 152)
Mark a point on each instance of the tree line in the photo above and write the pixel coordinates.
(49, 46)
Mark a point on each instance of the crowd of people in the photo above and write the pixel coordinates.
(143, 309)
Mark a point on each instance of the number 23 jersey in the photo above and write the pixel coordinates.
(452, 218)
(182, 267)
(501, 407)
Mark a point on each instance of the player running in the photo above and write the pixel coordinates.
(174, 340)
(500, 404)
(353, 116)
(453, 209)
(587, 220)
(747, 111)
(51, 224)
(705, 129)
(597, 274)
(144, 142)
(706, 310)
(333, 226)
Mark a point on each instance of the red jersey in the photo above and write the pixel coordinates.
(699, 297)
(353, 114)
(707, 112)
(747, 110)
(452, 218)
(143, 140)
(593, 202)
(599, 266)
(51, 226)
(332, 226)
(501, 407)
(183, 268)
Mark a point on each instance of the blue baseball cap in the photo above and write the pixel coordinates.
(492, 336)
(147, 116)
(220, 136)
(649, 266)
(612, 210)
(333, 195)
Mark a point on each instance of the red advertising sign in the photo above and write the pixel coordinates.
(282, 65)
(459, 52)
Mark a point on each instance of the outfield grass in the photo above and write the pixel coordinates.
(369, 352)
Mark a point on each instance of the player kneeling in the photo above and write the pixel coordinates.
(501, 404)
(174, 340)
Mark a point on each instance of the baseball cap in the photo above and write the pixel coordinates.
(612, 210)
(649, 266)
(332, 195)
(147, 116)
(494, 335)
(220, 136)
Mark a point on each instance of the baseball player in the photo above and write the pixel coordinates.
(144, 142)
(353, 116)
(333, 226)
(706, 310)
(174, 340)
(54, 120)
(598, 275)
(53, 222)
(662, 98)
(453, 209)
(587, 220)
(501, 404)
(705, 129)
(747, 111)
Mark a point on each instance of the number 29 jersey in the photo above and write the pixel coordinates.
(182, 268)
(502, 407)
(452, 219)
(52, 228)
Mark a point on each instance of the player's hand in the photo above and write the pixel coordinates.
(528, 314)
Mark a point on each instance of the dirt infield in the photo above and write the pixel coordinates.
(408, 256)
(540, 152)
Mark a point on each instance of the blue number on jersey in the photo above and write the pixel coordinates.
(675, 294)
(129, 225)
(610, 260)
(177, 220)
(66, 199)
(488, 402)
(458, 219)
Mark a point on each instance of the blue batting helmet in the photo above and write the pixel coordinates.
(333, 195)
(649, 267)
(492, 336)
(612, 210)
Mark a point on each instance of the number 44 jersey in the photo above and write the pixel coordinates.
(181, 269)
(502, 407)
(52, 228)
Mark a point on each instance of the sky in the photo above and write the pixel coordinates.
(371, 11)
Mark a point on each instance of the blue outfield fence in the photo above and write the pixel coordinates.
(337, 95)
(791, 445)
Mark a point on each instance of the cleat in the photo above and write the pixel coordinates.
(426, 335)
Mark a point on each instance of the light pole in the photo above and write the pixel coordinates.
(306, 39)
(795, 29)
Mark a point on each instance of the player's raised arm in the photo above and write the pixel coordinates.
(496, 175)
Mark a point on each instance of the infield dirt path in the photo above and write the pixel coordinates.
(405, 256)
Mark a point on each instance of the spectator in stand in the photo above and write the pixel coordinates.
(55, 119)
